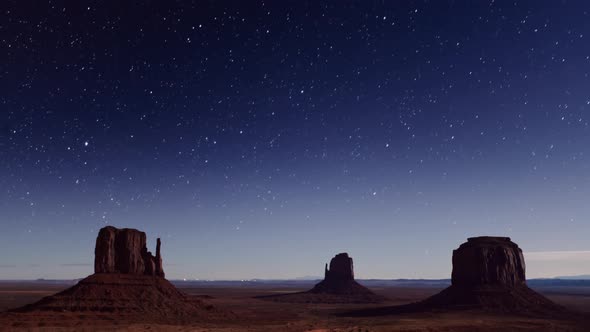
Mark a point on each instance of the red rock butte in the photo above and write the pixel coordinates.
(338, 286)
(489, 273)
(341, 268)
(339, 278)
(124, 251)
(128, 284)
(488, 260)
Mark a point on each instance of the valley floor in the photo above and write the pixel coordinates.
(251, 314)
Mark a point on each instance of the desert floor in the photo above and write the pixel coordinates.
(251, 314)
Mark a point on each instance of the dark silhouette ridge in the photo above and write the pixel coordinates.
(128, 281)
(488, 274)
(338, 286)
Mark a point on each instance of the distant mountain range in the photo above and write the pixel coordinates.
(576, 281)
(580, 280)
(309, 278)
(580, 277)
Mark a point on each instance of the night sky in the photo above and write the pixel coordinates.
(258, 139)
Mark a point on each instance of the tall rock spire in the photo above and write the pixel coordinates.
(159, 269)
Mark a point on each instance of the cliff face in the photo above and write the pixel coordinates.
(489, 273)
(124, 251)
(488, 261)
(341, 268)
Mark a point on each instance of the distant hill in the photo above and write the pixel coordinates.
(309, 278)
(580, 280)
(580, 277)
(558, 282)
(375, 283)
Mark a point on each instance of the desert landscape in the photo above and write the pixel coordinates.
(295, 166)
(128, 291)
(252, 314)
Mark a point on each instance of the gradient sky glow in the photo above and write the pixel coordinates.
(260, 138)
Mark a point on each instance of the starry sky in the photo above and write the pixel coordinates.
(260, 138)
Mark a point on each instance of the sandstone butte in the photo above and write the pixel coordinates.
(128, 285)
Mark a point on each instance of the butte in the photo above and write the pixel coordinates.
(127, 286)
(489, 275)
(338, 286)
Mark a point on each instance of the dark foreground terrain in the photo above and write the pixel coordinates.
(251, 314)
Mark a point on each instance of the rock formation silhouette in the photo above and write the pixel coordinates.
(489, 274)
(128, 282)
(338, 286)
(124, 251)
(488, 261)
(341, 268)
(339, 278)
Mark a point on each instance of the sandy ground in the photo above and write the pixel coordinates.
(250, 314)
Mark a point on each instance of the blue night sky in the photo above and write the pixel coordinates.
(258, 139)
